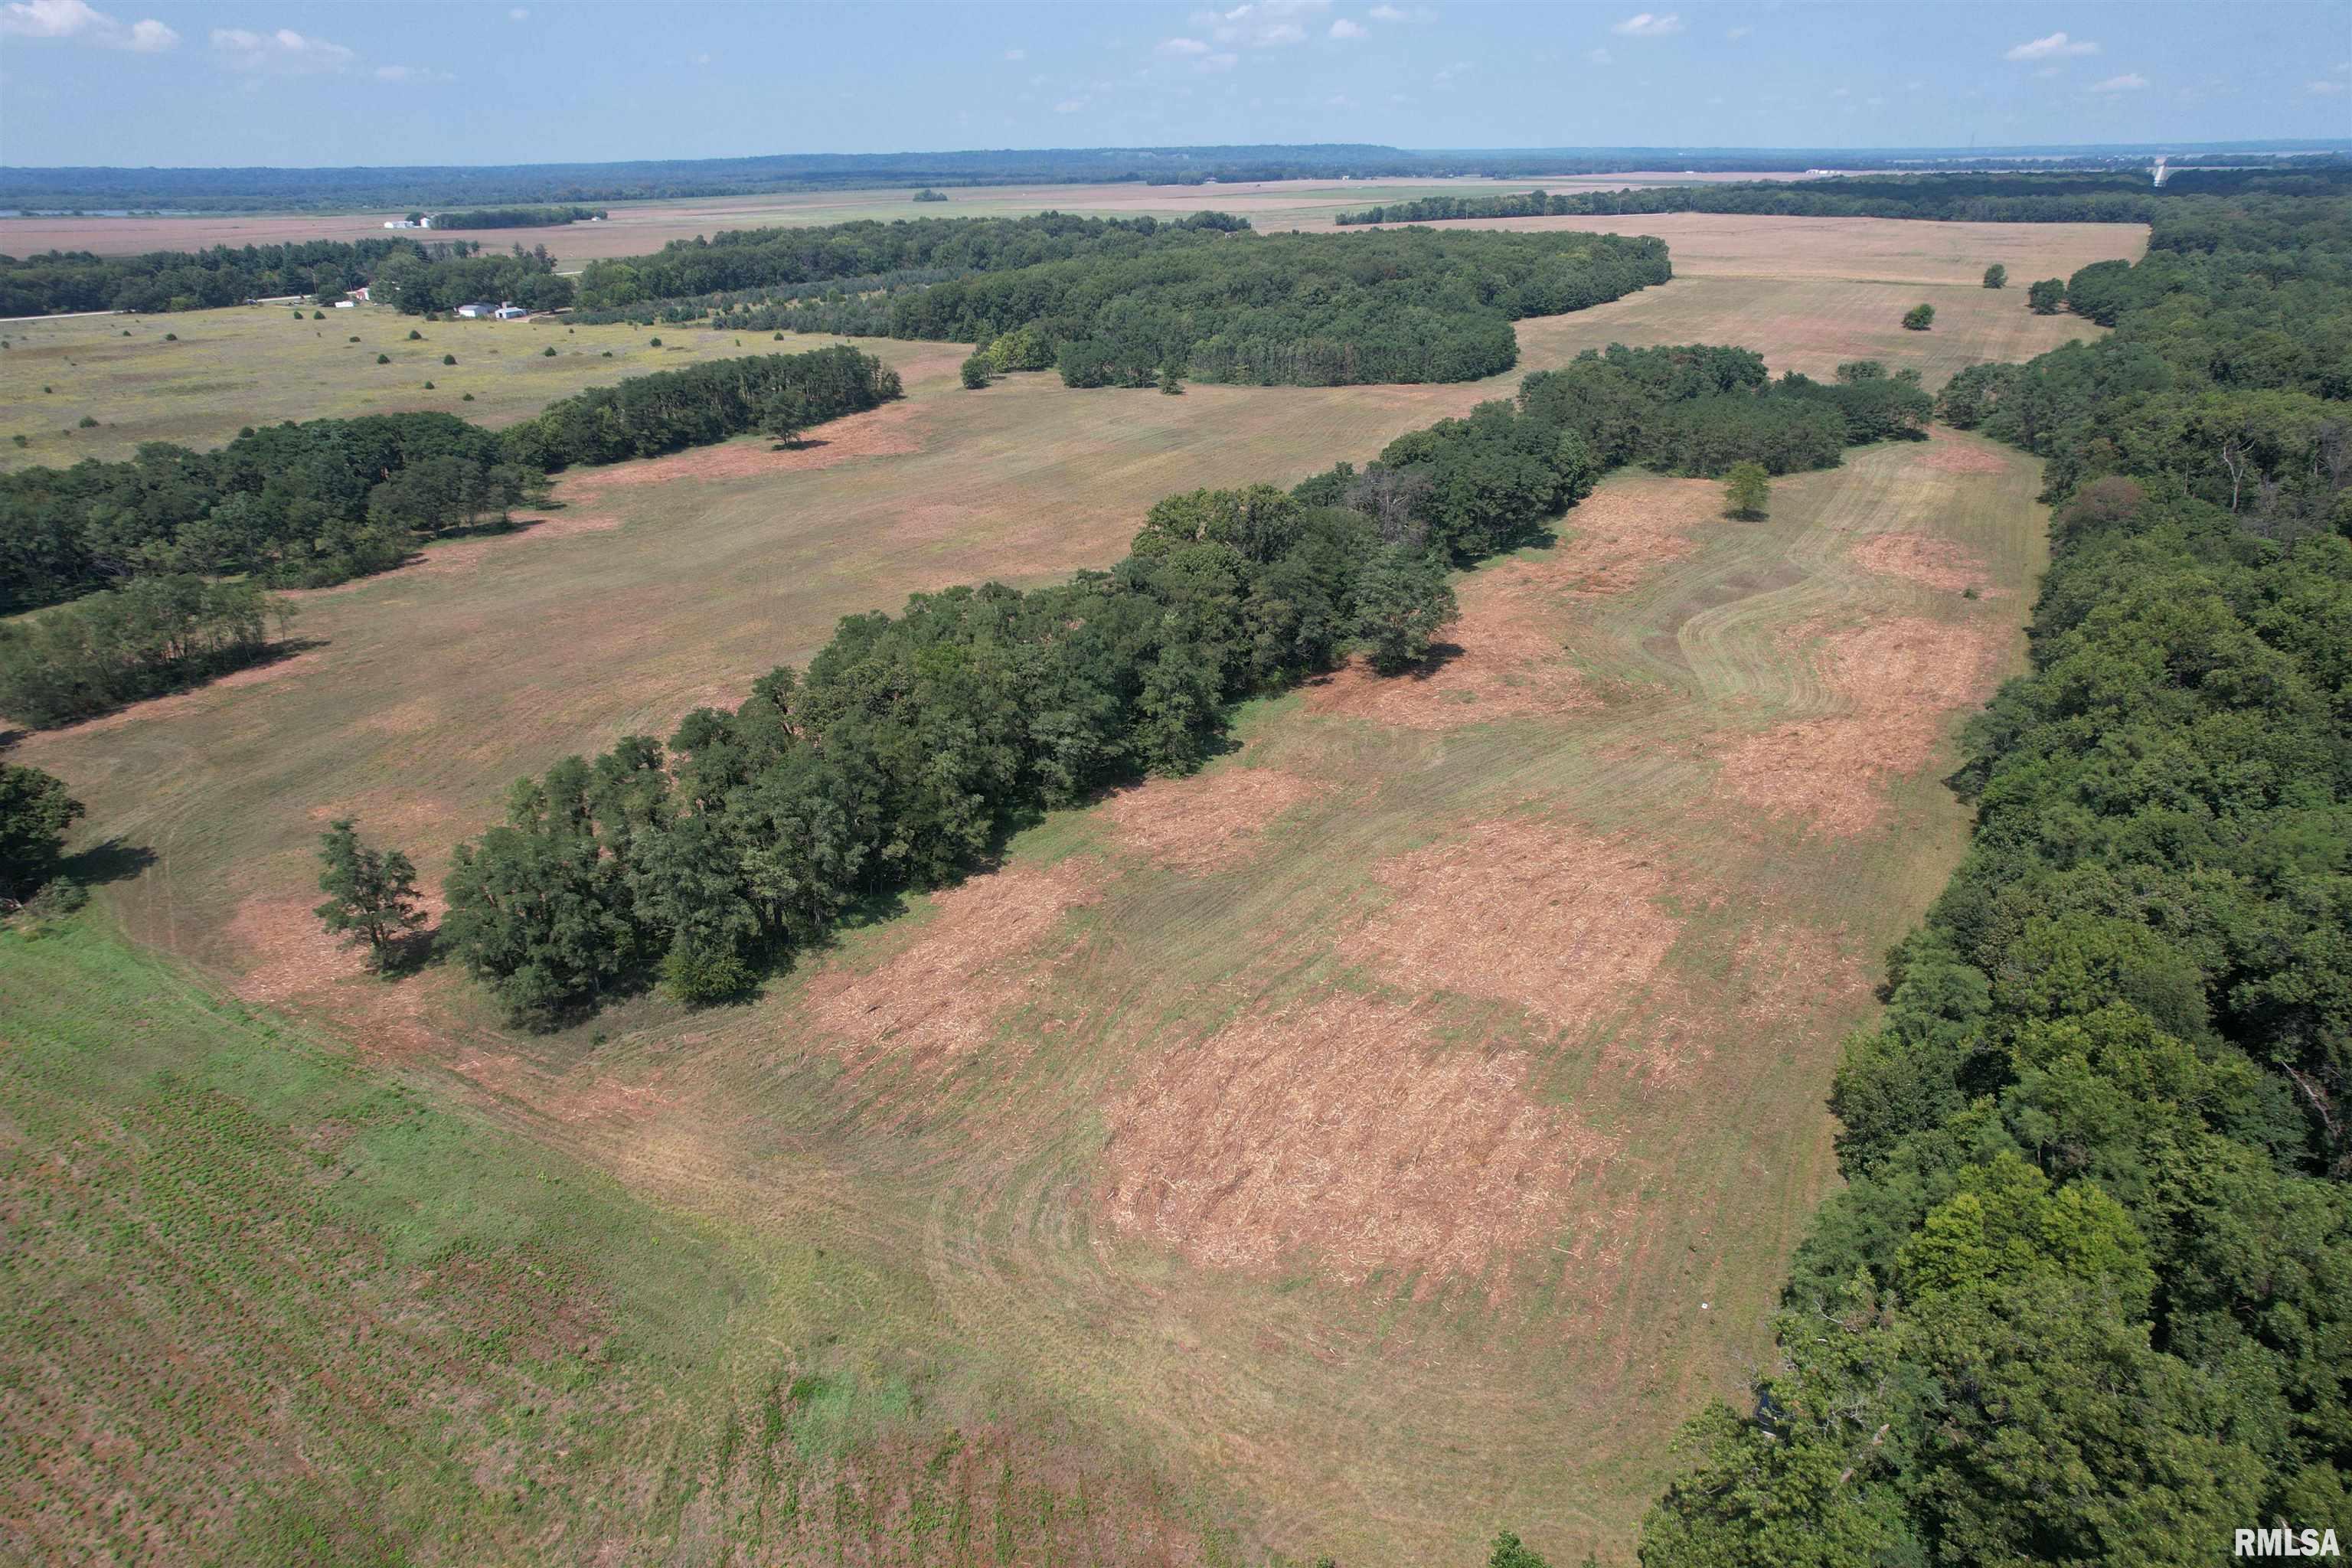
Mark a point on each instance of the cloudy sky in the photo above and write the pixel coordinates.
(396, 81)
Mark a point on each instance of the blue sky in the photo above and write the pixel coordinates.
(396, 82)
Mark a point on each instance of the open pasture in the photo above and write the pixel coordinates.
(1807, 293)
(1359, 1126)
(637, 228)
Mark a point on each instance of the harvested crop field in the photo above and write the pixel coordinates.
(1250, 1144)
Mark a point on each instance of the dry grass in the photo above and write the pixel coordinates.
(921, 1125)
(1207, 821)
(1898, 683)
(1560, 922)
(1341, 1136)
(1931, 562)
(936, 1002)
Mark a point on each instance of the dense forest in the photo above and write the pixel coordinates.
(317, 503)
(2086, 1294)
(1119, 301)
(902, 751)
(418, 275)
(1971, 197)
(288, 190)
(756, 257)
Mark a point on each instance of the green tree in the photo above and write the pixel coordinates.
(1746, 491)
(1919, 318)
(1996, 276)
(1170, 382)
(371, 893)
(2047, 297)
(35, 812)
(976, 369)
(1403, 601)
(785, 417)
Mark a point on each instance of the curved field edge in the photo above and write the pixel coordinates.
(264, 1304)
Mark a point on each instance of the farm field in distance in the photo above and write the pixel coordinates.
(1513, 1084)
(1806, 293)
(636, 228)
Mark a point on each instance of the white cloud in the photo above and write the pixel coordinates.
(1600, 56)
(76, 19)
(1738, 31)
(2130, 82)
(2323, 87)
(2056, 45)
(703, 59)
(1218, 62)
(1386, 13)
(1344, 28)
(412, 73)
(282, 53)
(1282, 33)
(1261, 23)
(1182, 47)
(519, 14)
(1069, 105)
(1646, 24)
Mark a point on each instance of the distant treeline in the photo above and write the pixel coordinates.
(742, 309)
(897, 756)
(515, 217)
(1122, 302)
(1976, 198)
(417, 275)
(64, 280)
(2084, 1295)
(308, 504)
(240, 190)
(758, 257)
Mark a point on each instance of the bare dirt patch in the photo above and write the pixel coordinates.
(1201, 823)
(1508, 654)
(1339, 1133)
(936, 1002)
(1923, 559)
(1898, 680)
(887, 431)
(1563, 923)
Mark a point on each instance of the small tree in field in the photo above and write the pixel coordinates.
(1919, 318)
(1746, 491)
(784, 418)
(976, 370)
(371, 893)
(1170, 382)
(2046, 296)
(1996, 276)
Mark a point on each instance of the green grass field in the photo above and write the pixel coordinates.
(1330, 1153)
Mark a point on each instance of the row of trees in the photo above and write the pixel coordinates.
(645, 415)
(1971, 198)
(2086, 1294)
(420, 285)
(897, 756)
(515, 217)
(59, 280)
(151, 636)
(1275, 310)
(294, 504)
(754, 258)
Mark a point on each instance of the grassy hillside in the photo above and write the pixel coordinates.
(266, 1304)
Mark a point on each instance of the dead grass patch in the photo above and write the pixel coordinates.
(1506, 656)
(887, 431)
(1922, 558)
(1898, 680)
(1946, 456)
(1201, 823)
(1338, 1133)
(937, 1001)
(1563, 923)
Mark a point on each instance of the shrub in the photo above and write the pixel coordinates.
(414, 336)
(975, 371)
(449, 359)
(384, 359)
(653, 342)
(1919, 318)
(467, 398)
(90, 421)
(1996, 276)
(171, 337)
(548, 351)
